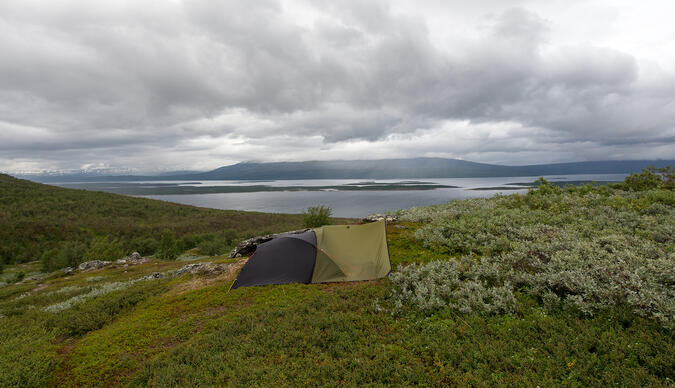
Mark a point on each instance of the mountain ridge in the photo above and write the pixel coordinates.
(394, 168)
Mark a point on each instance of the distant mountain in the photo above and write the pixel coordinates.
(378, 169)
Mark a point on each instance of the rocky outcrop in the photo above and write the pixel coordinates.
(378, 216)
(133, 259)
(206, 268)
(91, 265)
(247, 247)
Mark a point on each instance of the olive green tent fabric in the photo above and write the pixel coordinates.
(351, 252)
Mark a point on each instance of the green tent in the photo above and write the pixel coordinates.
(334, 253)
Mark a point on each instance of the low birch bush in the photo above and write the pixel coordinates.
(582, 248)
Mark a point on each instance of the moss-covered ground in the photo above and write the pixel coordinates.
(191, 330)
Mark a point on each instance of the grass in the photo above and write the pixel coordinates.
(192, 331)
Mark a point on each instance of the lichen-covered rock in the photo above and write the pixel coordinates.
(247, 247)
(207, 268)
(154, 275)
(133, 259)
(68, 270)
(91, 265)
(378, 216)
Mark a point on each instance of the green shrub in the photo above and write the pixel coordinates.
(144, 245)
(104, 248)
(169, 248)
(645, 180)
(67, 254)
(218, 243)
(316, 216)
(19, 276)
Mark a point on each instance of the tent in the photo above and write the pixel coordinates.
(334, 253)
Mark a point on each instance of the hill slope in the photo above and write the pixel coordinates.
(35, 218)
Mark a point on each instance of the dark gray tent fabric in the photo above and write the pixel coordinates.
(288, 258)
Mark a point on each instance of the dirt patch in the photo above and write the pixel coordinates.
(63, 370)
(40, 287)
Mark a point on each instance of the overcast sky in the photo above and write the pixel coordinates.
(167, 85)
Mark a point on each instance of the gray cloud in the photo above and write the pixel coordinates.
(198, 84)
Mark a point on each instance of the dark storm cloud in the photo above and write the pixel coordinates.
(150, 76)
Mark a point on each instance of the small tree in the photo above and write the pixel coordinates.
(104, 248)
(169, 247)
(67, 254)
(316, 216)
(646, 180)
(218, 244)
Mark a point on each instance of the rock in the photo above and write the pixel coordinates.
(68, 270)
(133, 259)
(247, 247)
(31, 279)
(154, 275)
(94, 264)
(206, 268)
(400, 227)
(378, 216)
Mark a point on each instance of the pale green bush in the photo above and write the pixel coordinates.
(461, 285)
(102, 290)
(583, 249)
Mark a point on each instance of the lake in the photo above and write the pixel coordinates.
(356, 203)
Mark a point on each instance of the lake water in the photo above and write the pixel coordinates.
(357, 203)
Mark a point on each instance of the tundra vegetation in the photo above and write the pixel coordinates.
(560, 286)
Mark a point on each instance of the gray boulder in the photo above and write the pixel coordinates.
(133, 259)
(91, 265)
(68, 270)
